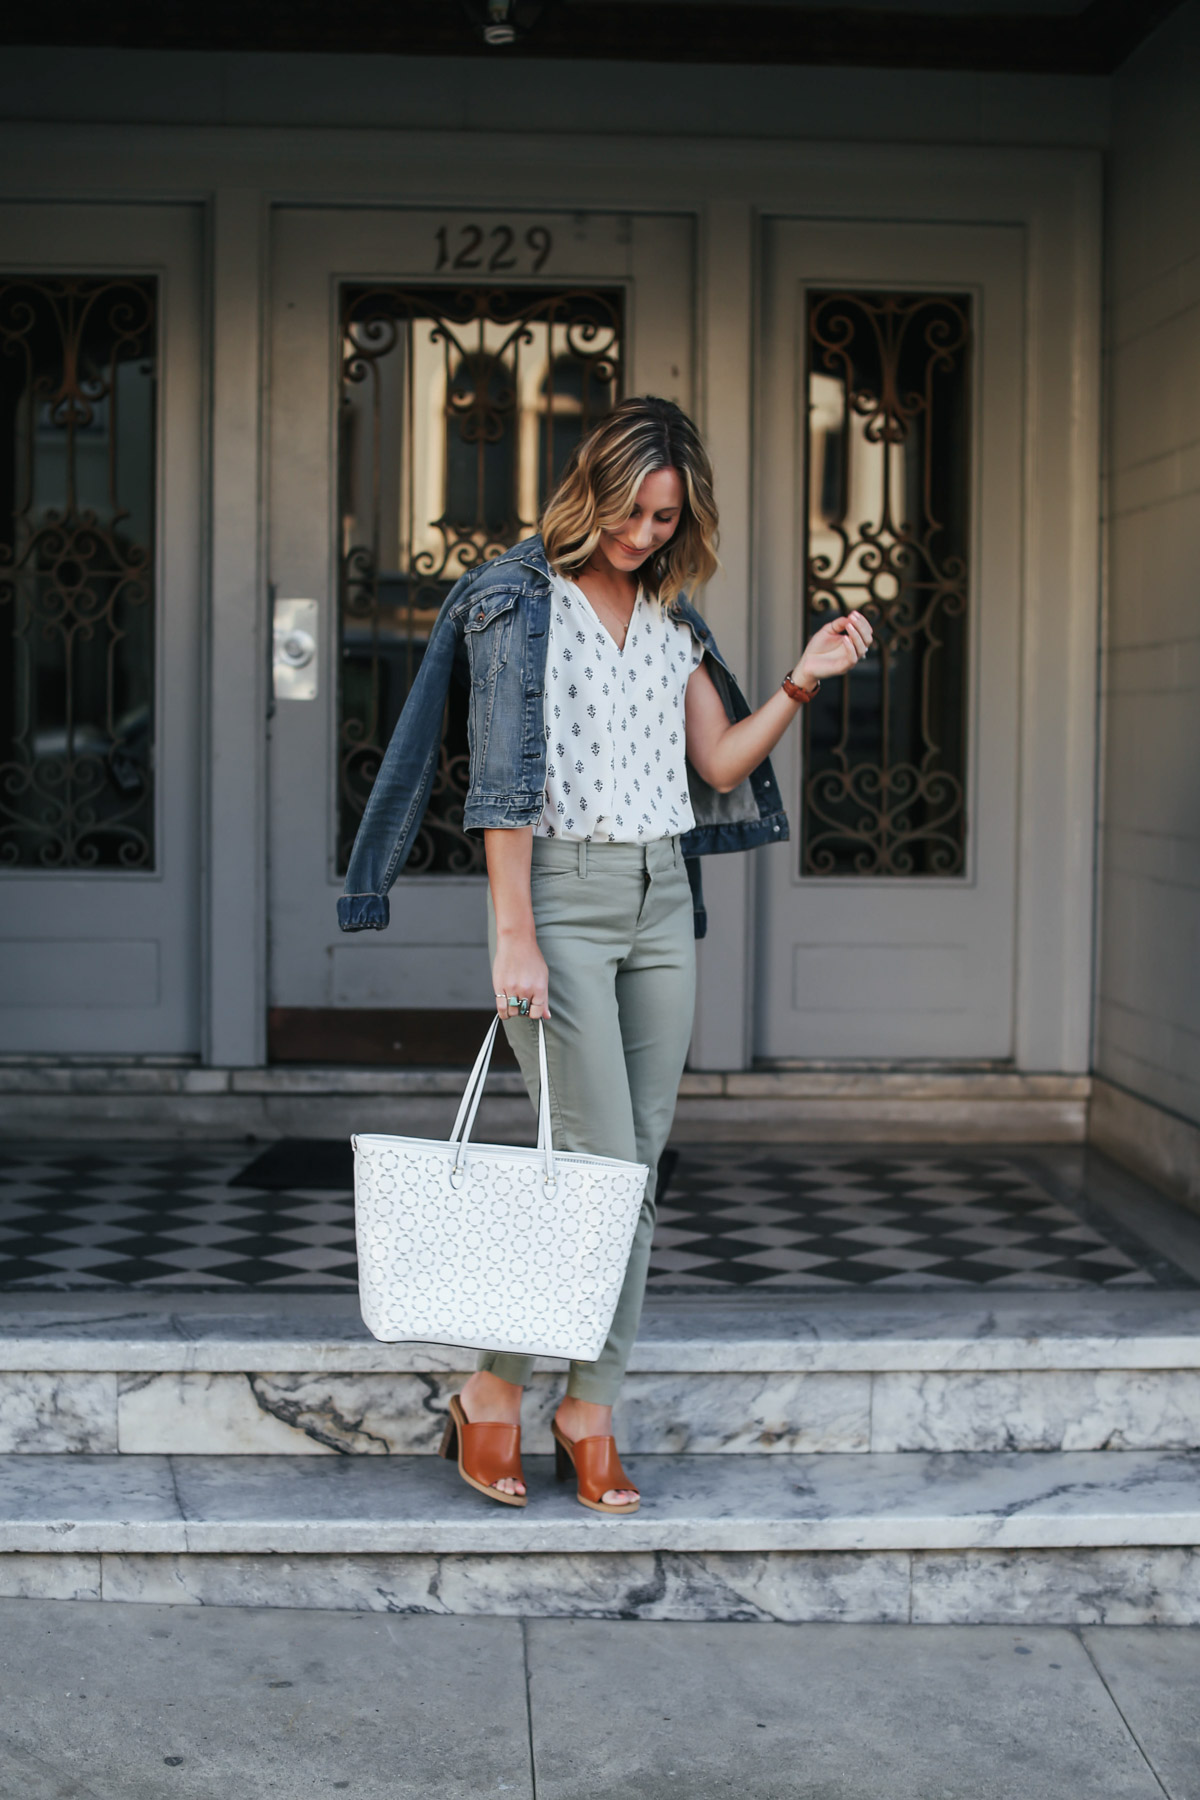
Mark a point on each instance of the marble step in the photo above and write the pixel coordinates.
(152, 1097)
(1066, 1536)
(299, 1375)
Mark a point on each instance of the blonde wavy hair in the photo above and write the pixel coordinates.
(600, 485)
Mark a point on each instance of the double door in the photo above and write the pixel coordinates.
(429, 373)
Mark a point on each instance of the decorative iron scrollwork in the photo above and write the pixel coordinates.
(889, 382)
(459, 407)
(77, 453)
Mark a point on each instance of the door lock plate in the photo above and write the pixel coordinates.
(294, 650)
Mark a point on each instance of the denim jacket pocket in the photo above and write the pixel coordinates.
(487, 629)
(494, 718)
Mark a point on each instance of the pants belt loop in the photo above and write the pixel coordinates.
(583, 859)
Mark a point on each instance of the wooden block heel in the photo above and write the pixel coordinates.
(597, 1469)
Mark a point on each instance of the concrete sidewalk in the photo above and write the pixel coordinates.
(138, 1702)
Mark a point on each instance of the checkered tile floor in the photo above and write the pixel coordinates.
(166, 1216)
(885, 1218)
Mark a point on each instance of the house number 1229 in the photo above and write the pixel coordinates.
(494, 250)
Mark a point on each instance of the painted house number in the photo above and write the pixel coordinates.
(494, 250)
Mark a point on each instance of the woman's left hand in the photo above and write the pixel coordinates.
(724, 753)
(834, 649)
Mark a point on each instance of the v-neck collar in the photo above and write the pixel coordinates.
(620, 649)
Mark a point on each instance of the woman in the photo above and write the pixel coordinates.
(607, 738)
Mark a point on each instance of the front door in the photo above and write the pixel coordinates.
(101, 496)
(430, 372)
(890, 480)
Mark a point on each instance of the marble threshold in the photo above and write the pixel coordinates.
(144, 1098)
(147, 1076)
(149, 1332)
(401, 1506)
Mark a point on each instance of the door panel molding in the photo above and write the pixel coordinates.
(235, 925)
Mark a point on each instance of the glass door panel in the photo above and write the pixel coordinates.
(458, 410)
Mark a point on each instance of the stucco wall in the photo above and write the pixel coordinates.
(1148, 1010)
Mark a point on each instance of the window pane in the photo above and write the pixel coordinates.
(889, 383)
(77, 456)
(459, 408)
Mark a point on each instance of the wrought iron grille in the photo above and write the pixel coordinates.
(77, 495)
(459, 408)
(889, 383)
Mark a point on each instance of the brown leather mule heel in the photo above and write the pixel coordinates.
(597, 1469)
(486, 1453)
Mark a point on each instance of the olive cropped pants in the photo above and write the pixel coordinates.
(614, 923)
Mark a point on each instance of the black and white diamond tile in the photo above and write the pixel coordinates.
(165, 1216)
(782, 1218)
(778, 1219)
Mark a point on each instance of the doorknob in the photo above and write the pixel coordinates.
(294, 650)
(298, 648)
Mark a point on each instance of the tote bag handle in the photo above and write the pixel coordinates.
(464, 1124)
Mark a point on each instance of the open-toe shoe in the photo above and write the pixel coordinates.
(597, 1469)
(486, 1453)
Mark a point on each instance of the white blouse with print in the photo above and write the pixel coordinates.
(615, 769)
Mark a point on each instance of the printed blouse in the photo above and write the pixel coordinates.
(615, 766)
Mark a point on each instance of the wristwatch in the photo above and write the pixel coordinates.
(803, 695)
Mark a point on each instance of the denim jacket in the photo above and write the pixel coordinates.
(501, 611)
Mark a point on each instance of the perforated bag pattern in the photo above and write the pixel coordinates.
(489, 1245)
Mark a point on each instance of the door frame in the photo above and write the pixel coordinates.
(1055, 198)
(1055, 194)
(854, 918)
(432, 962)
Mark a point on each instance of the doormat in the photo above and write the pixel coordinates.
(329, 1163)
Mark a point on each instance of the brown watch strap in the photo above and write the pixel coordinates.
(803, 695)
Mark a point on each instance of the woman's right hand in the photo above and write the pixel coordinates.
(519, 972)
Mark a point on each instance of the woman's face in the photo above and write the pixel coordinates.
(656, 513)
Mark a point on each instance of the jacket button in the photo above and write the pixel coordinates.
(479, 616)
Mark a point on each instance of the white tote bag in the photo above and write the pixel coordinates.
(491, 1245)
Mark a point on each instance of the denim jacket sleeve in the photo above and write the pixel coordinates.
(397, 802)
